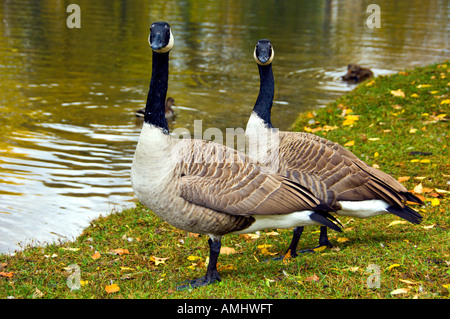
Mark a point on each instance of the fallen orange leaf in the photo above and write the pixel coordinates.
(120, 251)
(6, 274)
(112, 288)
(96, 256)
(287, 257)
(402, 179)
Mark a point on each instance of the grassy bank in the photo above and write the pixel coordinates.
(397, 123)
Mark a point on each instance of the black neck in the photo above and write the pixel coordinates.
(155, 107)
(264, 101)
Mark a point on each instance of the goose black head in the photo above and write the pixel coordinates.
(161, 38)
(263, 53)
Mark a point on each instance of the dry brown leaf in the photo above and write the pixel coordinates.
(193, 235)
(249, 237)
(227, 250)
(400, 291)
(397, 222)
(226, 267)
(272, 233)
(312, 278)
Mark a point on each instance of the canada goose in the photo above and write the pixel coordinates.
(169, 112)
(356, 73)
(207, 188)
(330, 171)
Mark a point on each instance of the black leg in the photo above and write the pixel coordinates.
(212, 275)
(323, 239)
(297, 233)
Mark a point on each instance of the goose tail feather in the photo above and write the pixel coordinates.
(325, 218)
(406, 213)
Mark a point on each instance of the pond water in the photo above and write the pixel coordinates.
(68, 95)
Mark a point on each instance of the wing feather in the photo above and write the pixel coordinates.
(227, 181)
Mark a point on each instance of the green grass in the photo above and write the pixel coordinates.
(413, 257)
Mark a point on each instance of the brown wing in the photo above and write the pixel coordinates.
(342, 173)
(222, 179)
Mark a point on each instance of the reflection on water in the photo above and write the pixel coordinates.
(68, 96)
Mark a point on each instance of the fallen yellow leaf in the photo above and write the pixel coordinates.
(398, 93)
(352, 269)
(435, 202)
(71, 249)
(272, 233)
(319, 249)
(446, 101)
(342, 239)
(158, 260)
(413, 130)
(423, 86)
(350, 143)
(396, 222)
(393, 266)
(112, 288)
(192, 258)
(414, 95)
(400, 291)
(376, 154)
(226, 267)
(441, 191)
(348, 122)
(418, 189)
(409, 282)
(126, 268)
(352, 117)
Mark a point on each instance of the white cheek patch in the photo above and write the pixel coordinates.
(272, 54)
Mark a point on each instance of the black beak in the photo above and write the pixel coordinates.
(157, 41)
